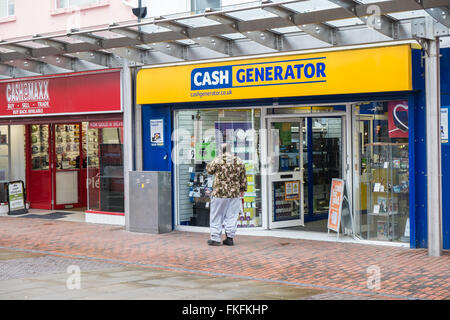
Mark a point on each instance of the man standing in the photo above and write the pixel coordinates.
(230, 183)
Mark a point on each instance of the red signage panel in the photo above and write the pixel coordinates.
(60, 95)
(398, 119)
(106, 124)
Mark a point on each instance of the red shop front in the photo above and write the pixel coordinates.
(73, 133)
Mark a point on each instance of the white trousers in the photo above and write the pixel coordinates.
(224, 213)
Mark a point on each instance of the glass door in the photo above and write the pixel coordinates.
(67, 163)
(285, 172)
(39, 174)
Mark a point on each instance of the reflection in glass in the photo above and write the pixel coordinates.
(39, 147)
(326, 159)
(286, 144)
(105, 169)
(284, 208)
(67, 146)
(198, 136)
(382, 155)
(4, 154)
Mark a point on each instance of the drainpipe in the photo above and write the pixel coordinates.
(434, 172)
(127, 107)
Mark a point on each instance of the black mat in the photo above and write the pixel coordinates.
(51, 215)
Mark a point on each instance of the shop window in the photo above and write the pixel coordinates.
(382, 177)
(325, 153)
(39, 147)
(60, 4)
(6, 8)
(198, 136)
(4, 154)
(104, 161)
(67, 147)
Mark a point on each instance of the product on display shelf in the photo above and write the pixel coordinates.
(39, 147)
(389, 196)
(200, 189)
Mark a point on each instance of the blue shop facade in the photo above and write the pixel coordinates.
(298, 121)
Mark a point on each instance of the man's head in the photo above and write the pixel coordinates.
(225, 147)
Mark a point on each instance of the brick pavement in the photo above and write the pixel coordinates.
(335, 267)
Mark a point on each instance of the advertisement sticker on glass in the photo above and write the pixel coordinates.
(398, 119)
(292, 190)
(205, 151)
(157, 132)
(444, 125)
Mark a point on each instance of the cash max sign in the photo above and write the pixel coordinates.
(62, 94)
(27, 91)
(28, 97)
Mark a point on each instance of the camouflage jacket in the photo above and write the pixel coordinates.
(230, 177)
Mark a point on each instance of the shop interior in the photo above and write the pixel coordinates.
(382, 178)
(314, 146)
(198, 134)
(321, 150)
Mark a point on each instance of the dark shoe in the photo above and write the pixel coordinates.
(213, 243)
(228, 241)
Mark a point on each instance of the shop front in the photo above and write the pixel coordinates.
(298, 121)
(64, 141)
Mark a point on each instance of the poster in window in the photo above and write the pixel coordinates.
(284, 132)
(3, 139)
(205, 151)
(444, 125)
(292, 190)
(398, 119)
(157, 132)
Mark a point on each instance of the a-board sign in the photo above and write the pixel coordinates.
(16, 198)
(335, 209)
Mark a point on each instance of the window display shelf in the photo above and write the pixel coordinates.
(387, 181)
(203, 133)
(39, 147)
(67, 147)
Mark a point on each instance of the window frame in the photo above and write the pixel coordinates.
(194, 8)
(89, 5)
(68, 10)
(8, 15)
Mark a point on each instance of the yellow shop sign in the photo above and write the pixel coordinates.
(381, 69)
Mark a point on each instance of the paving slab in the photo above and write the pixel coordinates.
(176, 263)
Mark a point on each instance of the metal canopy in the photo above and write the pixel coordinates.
(250, 28)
